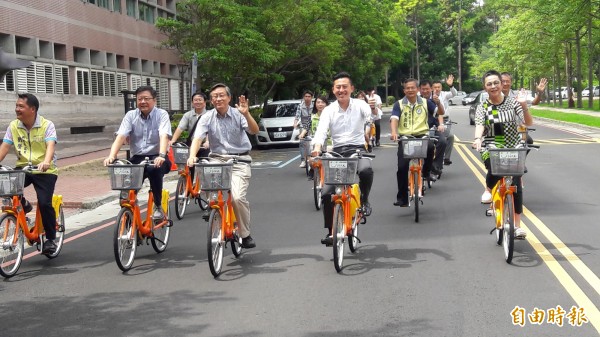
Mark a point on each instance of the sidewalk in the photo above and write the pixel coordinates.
(570, 111)
(83, 181)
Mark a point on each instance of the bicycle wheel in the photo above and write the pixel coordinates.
(352, 240)
(181, 197)
(214, 244)
(317, 189)
(508, 221)
(161, 235)
(11, 255)
(339, 237)
(416, 194)
(236, 242)
(125, 240)
(60, 233)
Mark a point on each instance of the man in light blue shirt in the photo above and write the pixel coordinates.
(149, 130)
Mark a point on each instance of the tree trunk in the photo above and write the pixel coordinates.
(417, 46)
(590, 63)
(578, 50)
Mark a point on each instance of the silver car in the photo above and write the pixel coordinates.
(457, 99)
(276, 124)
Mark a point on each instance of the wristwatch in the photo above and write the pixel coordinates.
(162, 155)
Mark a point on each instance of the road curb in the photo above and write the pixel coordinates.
(575, 125)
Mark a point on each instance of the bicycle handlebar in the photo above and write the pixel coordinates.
(358, 153)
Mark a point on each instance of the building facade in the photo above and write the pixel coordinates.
(83, 54)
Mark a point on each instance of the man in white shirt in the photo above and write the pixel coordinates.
(345, 120)
(372, 94)
(444, 97)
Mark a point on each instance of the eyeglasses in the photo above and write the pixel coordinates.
(145, 99)
(491, 84)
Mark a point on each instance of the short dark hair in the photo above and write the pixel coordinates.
(221, 85)
(490, 73)
(146, 88)
(342, 74)
(408, 80)
(435, 82)
(199, 93)
(30, 100)
(424, 83)
(307, 92)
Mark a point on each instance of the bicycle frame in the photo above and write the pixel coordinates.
(344, 198)
(147, 226)
(503, 187)
(33, 235)
(225, 208)
(191, 187)
(415, 167)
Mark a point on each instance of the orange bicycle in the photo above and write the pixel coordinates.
(415, 149)
(318, 180)
(508, 163)
(14, 224)
(131, 230)
(215, 178)
(347, 211)
(187, 186)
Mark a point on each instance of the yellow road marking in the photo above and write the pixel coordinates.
(582, 300)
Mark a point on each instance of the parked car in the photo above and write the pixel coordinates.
(276, 124)
(457, 99)
(481, 97)
(586, 92)
(470, 98)
(563, 92)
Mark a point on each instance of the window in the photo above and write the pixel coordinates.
(131, 8)
(121, 83)
(8, 82)
(146, 13)
(117, 6)
(61, 79)
(83, 81)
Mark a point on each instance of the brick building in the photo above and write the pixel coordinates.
(83, 53)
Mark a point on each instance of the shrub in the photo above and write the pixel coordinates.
(390, 100)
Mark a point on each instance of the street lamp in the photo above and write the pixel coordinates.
(183, 68)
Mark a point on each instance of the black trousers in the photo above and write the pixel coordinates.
(491, 180)
(365, 177)
(154, 174)
(377, 129)
(44, 189)
(402, 173)
(440, 148)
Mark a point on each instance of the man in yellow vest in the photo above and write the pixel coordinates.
(34, 139)
(410, 117)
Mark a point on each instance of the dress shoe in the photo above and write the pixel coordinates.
(248, 242)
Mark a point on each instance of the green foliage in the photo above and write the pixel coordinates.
(256, 112)
(391, 100)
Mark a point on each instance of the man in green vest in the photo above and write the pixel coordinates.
(410, 117)
(34, 139)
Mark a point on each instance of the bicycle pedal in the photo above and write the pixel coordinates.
(169, 223)
(489, 212)
(363, 220)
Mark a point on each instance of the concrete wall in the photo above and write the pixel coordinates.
(67, 111)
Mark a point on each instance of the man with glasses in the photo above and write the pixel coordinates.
(148, 128)
(226, 128)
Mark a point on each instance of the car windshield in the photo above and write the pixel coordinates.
(280, 110)
(473, 94)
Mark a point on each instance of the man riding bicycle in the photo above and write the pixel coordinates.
(226, 128)
(148, 128)
(34, 139)
(410, 116)
(345, 120)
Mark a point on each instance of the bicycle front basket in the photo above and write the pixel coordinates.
(507, 162)
(414, 147)
(340, 171)
(11, 183)
(214, 176)
(181, 154)
(126, 177)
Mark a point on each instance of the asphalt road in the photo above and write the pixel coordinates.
(443, 276)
